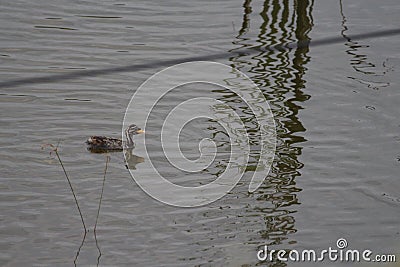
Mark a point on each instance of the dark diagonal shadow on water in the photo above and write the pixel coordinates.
(245, 50)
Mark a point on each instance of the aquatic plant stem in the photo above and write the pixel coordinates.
(55, 149)
(98, 209)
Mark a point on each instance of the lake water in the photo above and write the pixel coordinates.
(336, 108)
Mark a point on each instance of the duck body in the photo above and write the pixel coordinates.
(103, 144)
(100, 144)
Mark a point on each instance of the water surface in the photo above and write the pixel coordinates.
(336, 167)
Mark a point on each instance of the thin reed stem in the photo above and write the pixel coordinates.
(98, 209)
(55, 149)
(72, 189)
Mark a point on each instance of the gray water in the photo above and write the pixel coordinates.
(336, 109)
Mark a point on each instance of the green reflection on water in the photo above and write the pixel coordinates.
(279, 74)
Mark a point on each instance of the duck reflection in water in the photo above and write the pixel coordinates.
(131, 160)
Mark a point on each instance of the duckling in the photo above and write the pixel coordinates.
(102, 144)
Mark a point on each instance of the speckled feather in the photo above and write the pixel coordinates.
(104, 143)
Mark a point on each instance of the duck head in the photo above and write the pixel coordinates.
(130, 132)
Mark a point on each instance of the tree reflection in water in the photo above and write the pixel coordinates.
(279, 74)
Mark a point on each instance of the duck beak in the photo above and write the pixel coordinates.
(139, 131)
